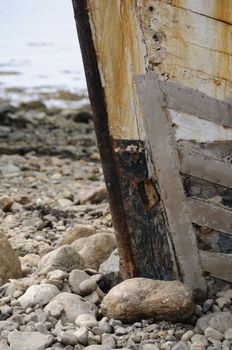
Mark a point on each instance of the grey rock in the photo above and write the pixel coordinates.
(187, 336)
(64, 258)
(93, 297)
(82, 335)
(56, 310)
(97, 249)
(73, 306)
(40, 294)
(8, 325)
(223, 302)
(98, 347)
(75, 278)
(10, 266)
(76, 232)
(228, 334)
(29, 340)
(110, 270)
(79, 244)
(181, 346)
(6, 203)
(108, 341)
(213, 334)
(88, 286)
(57, 275)
(139, 298)
(3, 345)
(68, 338)
(86, 320)
(199, 340)
(5, 312)
(120, 331)
(207, 305)
(221, 321)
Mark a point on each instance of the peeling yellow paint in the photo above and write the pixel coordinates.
(120, 52)
(217, 9)
(189, 41)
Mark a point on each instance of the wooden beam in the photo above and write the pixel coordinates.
(196, 103)
(218, 10)
(208, 215)
(165, 160)
(217, 265)
(206, 168)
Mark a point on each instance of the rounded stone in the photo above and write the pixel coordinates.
(88, 286)
(138, 298)
(64, 258)
(40, 294)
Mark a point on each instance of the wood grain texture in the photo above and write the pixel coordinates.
(193, 102)
(217, 265)
(206, 168)
(165, 160)
(216, 9)
(187, 47)
(208, 215)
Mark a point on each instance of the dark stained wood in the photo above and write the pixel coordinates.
(147, 227)
(166, 163)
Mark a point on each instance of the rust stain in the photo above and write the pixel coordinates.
(217, 9)
(120, 55)
(223, 10)
(225, 36)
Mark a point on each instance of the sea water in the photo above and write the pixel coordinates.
(39, 49)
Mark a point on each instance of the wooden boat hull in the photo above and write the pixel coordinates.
(185, 43)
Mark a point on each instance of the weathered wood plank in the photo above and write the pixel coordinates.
(208, 215)
(187, 47)
(217, 9)
(193, 102)
(189, 127)
(165, 159)
(217, 265)
(119, 47)
(206, 168)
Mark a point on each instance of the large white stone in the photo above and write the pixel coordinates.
(40, 294)
(29, 340)
(139, 298)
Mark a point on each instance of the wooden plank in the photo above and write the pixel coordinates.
(191, 128)
(165, 159)
(217, 9)
(206, 168)
(217, 265)
(188, 47)
(211, 216)
(196, 103)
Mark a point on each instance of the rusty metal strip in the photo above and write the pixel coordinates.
(206, 168)
(217, 265)
(208, 215)
(100, 115)
(196, 103)
(165, 160)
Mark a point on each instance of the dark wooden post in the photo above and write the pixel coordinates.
(137, 212)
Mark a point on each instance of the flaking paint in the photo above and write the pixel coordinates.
(185, 41)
